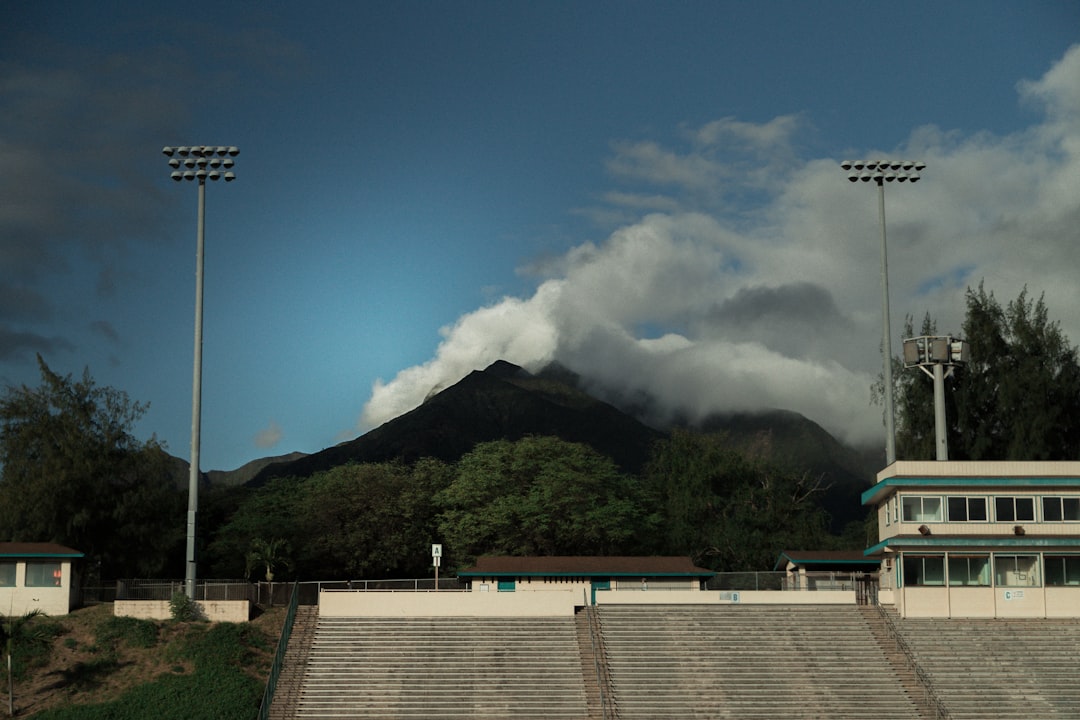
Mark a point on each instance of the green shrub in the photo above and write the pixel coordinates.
(183, 608)
(131, 631)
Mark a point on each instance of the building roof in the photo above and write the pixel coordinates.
(973, 542)
(585, 566)
(34, 550)
(886, 487)
(824, 558)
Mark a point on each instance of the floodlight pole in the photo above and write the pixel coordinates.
(943, 353)
(880, 172)
(197, 159)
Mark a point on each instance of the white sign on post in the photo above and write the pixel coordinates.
(436, 558)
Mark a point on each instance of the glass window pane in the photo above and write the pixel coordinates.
(977, 509)
(1003, 509)
(1025, 509)
(912, 509)
(1052, 509)
(43, 574)
(931, 510)
(1071, 509)
(7, 574)
(969, 570)
(958, 509)
(1016, 570)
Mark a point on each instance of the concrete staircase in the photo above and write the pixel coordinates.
(493, 668)
(995, 668)
(287, 692)
(744, 661)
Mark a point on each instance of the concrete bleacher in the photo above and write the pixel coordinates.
(447, 667)
(985, 669)
(747, 661)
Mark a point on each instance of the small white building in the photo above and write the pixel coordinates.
(585, 574)
(979, 539)
(38, 576)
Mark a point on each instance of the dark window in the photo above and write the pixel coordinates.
(924, 570)
(7, 574)
(1061, 509)
(967, 509)
(43, 574)
(1062, 570)
(1014, 509)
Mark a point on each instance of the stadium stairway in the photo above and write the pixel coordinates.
(798, 662)
(461, 667)
(991, 669)
(287, 692)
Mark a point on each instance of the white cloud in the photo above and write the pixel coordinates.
(709, 312)
(269, 436)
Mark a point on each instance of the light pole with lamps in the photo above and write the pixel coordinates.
(198, 163)
(881, 172)
(942, 353)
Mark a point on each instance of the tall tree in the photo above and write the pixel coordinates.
(541, 496)
(1017, 398)
(728, 510)
(73, 473)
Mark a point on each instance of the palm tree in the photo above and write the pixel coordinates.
(268, 554)
(12, 629)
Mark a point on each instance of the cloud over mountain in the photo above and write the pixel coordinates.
(712, 311)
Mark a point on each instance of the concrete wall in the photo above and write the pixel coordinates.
(212, 610)
(987, 602)
(358, 603)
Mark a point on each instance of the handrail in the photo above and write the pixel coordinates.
(941, 712)
(603, 680)
(279, 656)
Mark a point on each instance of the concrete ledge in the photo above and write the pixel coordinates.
(212, 610)
(361, 603)
(726, 597)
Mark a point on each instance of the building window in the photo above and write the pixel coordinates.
(969, 570)
(967, 509)
(1061, 509)
(921, 509)
(43, 574)
(7, 574)
(1016, 570)
(1014, 509)
(924, 570)
(1062, 570)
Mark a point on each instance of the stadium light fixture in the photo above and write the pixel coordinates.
(943, 354)
(881, 172)
(198, 163)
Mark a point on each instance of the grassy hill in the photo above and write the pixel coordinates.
(90, 665)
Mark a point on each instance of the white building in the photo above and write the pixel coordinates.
(37, 576)
(979, 539)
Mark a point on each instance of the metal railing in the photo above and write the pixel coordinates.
(780, 580)
(137, 589)
(931, 699)
(600, 665)
(279, 656)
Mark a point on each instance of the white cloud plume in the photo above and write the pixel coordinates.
(708, 312)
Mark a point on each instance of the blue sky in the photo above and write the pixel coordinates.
(647, 192)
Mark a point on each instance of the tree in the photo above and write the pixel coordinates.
(1017, 398)
(728, 510)
(74, 474)
(541, 496)
(268, 554)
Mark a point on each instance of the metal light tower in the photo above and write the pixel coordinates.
(198, 162)
(881, 172)
(943, 354)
